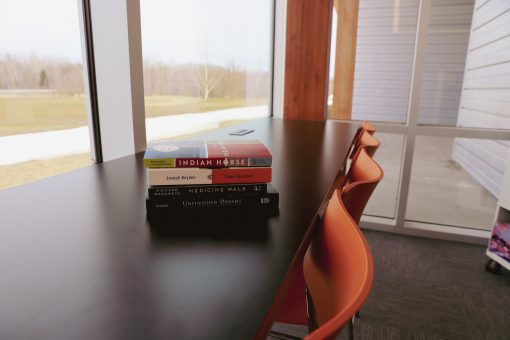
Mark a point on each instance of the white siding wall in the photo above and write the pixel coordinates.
(485, 100)
(384, 57)
(466, 79)
(447, 44)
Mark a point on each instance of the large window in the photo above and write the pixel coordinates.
(384, 57)
(206, 63)
(455, 195)
(436, 73)
(43, 120)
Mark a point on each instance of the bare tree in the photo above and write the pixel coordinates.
(207, 77)
(35, 72)
(208, 82)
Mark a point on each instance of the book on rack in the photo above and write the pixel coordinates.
(193, 176)
(217, 190)
(499, 243)
(207, 154)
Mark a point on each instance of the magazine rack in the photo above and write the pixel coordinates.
(497, 260)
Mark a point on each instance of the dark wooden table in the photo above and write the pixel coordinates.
(78, 259)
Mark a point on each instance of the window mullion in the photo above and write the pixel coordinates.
(413, 109)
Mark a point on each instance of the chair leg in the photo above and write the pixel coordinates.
(493, 267)
(312, 321)
(281, 336)
(350, 328)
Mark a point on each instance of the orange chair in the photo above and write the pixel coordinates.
(366, 126)
(338, 270)
(294, 308)
(369, 142)
(363, 127)
(359, 139)
(361, 180)
(363, 177)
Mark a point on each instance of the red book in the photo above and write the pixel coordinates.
(207, 154)
(192, 176)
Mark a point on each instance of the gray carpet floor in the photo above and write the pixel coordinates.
(430, 289)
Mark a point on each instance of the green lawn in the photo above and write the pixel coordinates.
(171, 105)
(25, 172)
(42, 112)
(45, 112)
(32, 113)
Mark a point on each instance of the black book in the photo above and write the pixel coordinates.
(269, 199)
(206, 191)
(240, 207)
(210, 216)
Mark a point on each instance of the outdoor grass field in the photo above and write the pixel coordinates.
(21, 173)
(35, 113)
(21, 114)
(46, 112)
(25, 172)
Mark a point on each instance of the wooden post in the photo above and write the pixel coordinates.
(307, 58)
(345, 58)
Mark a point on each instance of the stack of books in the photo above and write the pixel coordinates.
(209, 177)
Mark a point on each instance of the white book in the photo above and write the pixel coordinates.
(184, 176)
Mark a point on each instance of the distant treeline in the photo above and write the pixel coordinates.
(159, 79)
(195, 80)
(40, 73)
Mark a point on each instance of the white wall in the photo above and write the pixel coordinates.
(384, 57)
(447, 44)
(485, 100)
(118, 61)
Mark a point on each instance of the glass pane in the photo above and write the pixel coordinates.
(384, 58)
(332, 54)
(445, 59)
(466, 79)
(383, 202)
(485, 101)
(206, 64)
(43, 119)
(456, 181)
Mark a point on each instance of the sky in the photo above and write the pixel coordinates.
(46, 28)
(221, 32)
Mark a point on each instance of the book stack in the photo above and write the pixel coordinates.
(208, 177)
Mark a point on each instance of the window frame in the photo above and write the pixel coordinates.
(112, 58)
(410, 130)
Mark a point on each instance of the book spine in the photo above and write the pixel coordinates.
(206, 190)
(241, 175)
(207, 162)
(159, 162)
(267, 200)
(261, 161)
(193, 176)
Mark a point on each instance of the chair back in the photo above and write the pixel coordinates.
(338, 270)
(362, 178)
(364, 128)
(369, 143)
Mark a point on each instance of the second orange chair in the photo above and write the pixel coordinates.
(362, 178)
